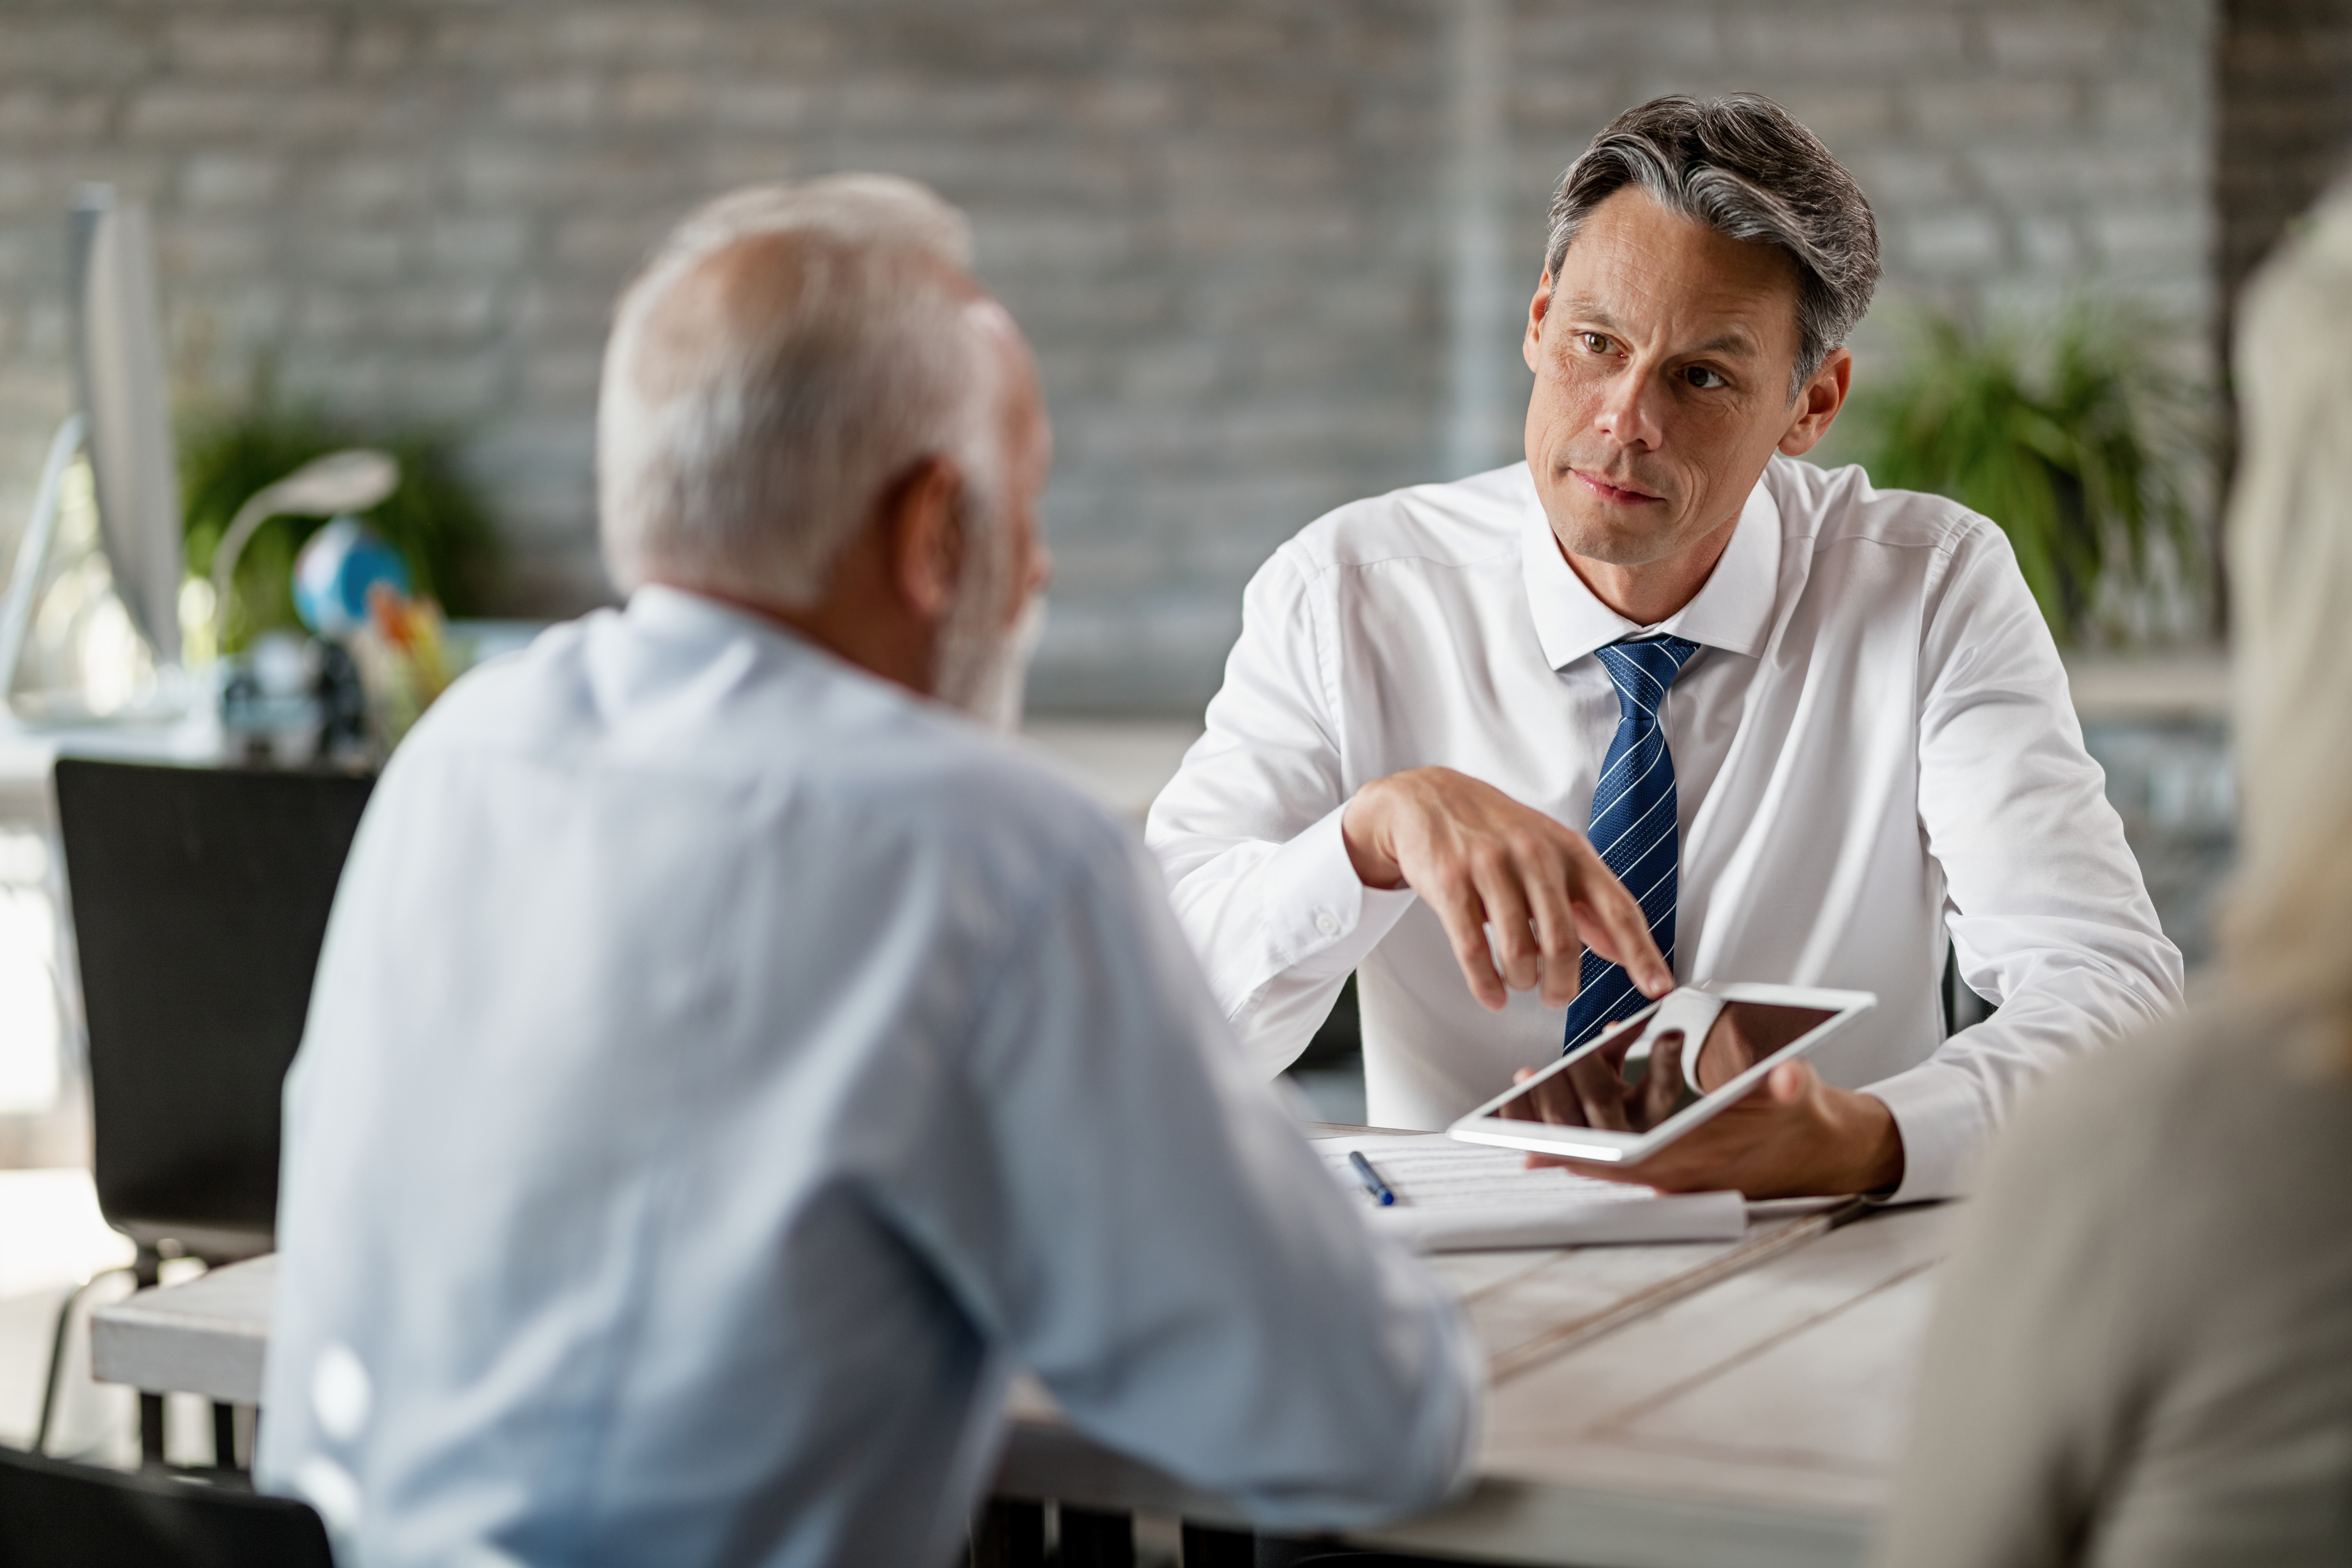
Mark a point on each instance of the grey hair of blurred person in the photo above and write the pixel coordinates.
(1741, 165)
(2287, 930)
(743, 456)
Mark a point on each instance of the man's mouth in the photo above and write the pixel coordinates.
(1614, 494)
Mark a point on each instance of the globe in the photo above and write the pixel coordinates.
(334, 571)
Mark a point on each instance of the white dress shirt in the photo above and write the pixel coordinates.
(723, 1067)
(1873, 745)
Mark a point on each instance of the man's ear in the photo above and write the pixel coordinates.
(1817, 406)
(923, 528)
(1537, 309)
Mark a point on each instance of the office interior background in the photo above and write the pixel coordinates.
(1273, 255)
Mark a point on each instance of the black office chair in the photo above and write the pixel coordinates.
(200, 898)
(57, 1515)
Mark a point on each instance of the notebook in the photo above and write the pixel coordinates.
(1459, 1197)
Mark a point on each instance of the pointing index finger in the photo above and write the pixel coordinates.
(1613, 925)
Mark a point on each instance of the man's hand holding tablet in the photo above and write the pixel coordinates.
(1794, 1135)
(1740, 1110)
(1521, 896)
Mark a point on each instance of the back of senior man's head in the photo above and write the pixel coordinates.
(2290, 546)
(787, 353)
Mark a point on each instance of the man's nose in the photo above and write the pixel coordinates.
(1630, 414)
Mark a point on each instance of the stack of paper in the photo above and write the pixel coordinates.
(1462, 1197)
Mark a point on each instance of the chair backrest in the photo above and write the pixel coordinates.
(200, 898)
(58, 1515)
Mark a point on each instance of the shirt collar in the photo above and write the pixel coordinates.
(1732, 610)
(660, 605)
(683, 615)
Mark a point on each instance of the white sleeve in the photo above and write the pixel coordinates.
(1248, 831)
(2048, 917)
(1154, 1239)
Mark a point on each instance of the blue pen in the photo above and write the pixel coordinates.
(1380, 1190)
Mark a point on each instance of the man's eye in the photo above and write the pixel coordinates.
(1594, 342)
(1700, 376)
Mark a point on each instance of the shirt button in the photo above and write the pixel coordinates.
(1327, 923)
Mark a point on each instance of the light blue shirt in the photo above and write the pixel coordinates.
(723, 1069)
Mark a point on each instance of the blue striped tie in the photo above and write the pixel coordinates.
(1633, 822)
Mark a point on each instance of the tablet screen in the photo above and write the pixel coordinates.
(1637, 1078)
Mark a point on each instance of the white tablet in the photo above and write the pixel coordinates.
(1639, 1084)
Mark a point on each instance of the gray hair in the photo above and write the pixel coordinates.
(754, 407)
(1743, 167)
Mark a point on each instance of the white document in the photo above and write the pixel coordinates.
(1458, 1197)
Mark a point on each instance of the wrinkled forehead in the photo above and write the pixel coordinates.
(1646, 268)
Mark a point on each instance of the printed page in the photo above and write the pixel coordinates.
(1432, 1171)
(1453, 1196)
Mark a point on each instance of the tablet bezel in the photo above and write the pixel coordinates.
(1604, 1146)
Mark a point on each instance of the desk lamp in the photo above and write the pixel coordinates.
(352, 479)
(339, 483)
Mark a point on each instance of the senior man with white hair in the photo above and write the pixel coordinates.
(727, 1061)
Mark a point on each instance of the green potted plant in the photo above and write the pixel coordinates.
(432, 518)
(2077, 440)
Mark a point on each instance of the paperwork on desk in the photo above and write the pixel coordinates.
(1462, 1197)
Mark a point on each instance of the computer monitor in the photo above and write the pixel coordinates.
(118, 339)
(80, 664)
(200, 899)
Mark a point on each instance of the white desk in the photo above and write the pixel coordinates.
(1644, 1416)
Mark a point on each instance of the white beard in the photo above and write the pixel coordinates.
(983, 667)
(990, 680)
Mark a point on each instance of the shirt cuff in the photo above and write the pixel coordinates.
(1941, 1119)
(1320, 916)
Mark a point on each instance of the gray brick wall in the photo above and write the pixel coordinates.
(1223, 221)
(2012, 152)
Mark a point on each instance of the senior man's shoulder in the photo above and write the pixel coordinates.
(761, 718)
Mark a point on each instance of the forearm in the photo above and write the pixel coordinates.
(1278, 927)
(1247, 833)
(1949, 1107)
(1253, 1338)
(2050, 919)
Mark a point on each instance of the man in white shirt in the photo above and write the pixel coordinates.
(727, 1063)
(1864, 740)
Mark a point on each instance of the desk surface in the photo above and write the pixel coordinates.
(1687, 1406)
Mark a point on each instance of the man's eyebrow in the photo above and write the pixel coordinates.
(1731, 343)
(1591, 311)
(1594, 314)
